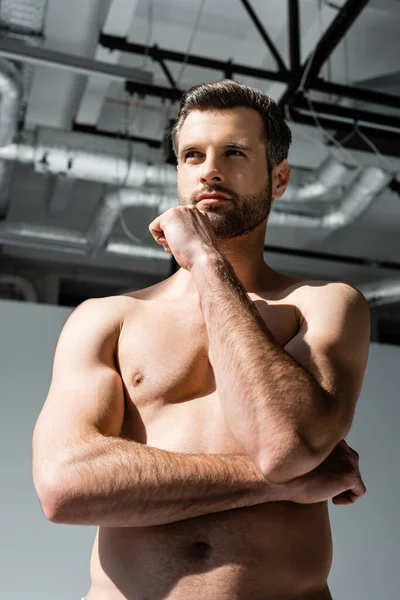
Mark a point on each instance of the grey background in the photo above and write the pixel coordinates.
(44, 561)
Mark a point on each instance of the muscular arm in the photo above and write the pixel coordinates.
(287, 413)
(119, 483)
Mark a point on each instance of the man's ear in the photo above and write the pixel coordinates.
(280, 179)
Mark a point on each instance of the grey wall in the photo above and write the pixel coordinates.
(43, 561)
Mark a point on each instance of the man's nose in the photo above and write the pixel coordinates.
(211, 172)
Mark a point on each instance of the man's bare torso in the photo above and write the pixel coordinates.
(276, 550)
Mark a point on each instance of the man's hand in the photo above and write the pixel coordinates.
(186, 233)
(338, 477)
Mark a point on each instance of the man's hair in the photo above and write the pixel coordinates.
(226, 94)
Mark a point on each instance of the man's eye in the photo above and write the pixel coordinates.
(191, 154)
(235, 152)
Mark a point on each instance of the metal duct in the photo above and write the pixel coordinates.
(361, 193)
(122, 249)
(23, 286)
(66, 241)
(11, 90)
(81, 164)
(21, 19)
(330, 175)
(382, 292)
(111, 208)
(42, 237)
(78, 163)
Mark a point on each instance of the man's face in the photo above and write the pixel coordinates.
(222, 152)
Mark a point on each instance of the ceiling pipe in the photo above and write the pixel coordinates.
(11, 90)
(21, 285)
(93, 166)
(152, 185)
(114, 204)
(40, 237)
(11, 93)
(329, 176)
(380, 293)
(367, 185)
(23, 20)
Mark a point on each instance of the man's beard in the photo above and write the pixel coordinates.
(243, 215)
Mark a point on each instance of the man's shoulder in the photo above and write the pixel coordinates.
(322, 288)
(319, 300)
(310, 294)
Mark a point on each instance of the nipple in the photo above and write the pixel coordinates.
(137, 378)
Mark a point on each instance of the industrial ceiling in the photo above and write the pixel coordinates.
(88, 90)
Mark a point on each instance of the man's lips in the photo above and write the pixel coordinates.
(212, 198)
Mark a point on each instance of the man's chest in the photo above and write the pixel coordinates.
(170, 390)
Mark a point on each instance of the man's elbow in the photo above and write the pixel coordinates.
(290, 459)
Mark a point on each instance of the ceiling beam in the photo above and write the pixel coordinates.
(294, 35)
(261, 30)
(334, 35)
(356, 93)
(157, 54)
(308, 72)
(118, 43)
(388, 140)
(349, 260)
(16, 50)
(353, 115)
(92, 130)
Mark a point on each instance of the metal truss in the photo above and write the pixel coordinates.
(299, 75)
(306, 74)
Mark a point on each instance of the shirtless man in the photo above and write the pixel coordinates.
(200, 422)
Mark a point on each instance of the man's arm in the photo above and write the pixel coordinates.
(288, 408)
(113, 482)
(85, 474)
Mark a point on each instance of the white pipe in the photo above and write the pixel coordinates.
(11, 90)
(329, 176)
(81, 164)
(368, 184)
(381, 292)
(112, 207)
(23, 285)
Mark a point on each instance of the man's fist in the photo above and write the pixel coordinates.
(186, 233)
(338, 477)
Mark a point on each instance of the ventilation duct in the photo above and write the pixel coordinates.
(329, 176)
(111, 208)
(40, 237)
(380, 293)
(81, 164)
(11, 90)
(13, 287)
(149, 185)
(361, 193)
(21, 19)
(367, 185)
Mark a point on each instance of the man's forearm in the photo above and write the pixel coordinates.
(113, 482)
(268, 399)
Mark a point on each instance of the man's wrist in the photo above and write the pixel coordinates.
(209, 259)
